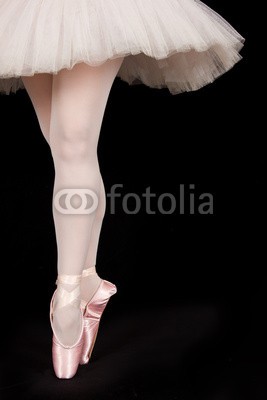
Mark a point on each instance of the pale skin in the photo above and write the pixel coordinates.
(70, 106)
(40, 89)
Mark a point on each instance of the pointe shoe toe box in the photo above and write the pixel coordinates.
(66, 359)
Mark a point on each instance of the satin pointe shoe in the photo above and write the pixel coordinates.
(92, 312)
(66, 358)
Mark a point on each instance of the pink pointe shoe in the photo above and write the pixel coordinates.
(93, 311)
(66, 358)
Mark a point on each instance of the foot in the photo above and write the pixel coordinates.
(93, 311)
(68, 326)
(67, 321)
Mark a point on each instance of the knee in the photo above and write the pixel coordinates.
(73, 143)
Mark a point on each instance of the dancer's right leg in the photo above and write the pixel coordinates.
(79, 98)
(78, 102)
(39, 89)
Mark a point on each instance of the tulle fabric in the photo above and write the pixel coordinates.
(179, 44)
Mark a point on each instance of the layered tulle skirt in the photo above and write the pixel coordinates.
(179, 44)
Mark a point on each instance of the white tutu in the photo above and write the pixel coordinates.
(179, 44)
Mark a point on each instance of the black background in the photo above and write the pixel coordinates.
(188, 321)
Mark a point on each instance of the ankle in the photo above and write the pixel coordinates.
(89, 283)
(68, 291)
(66, 316)
(89, 271)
